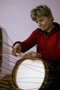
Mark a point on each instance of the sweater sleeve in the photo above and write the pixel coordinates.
(29, 42)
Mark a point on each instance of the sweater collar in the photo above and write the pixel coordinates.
(56, 27)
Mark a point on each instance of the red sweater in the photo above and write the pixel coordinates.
(48, 44)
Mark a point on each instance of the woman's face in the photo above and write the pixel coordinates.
(44, 23)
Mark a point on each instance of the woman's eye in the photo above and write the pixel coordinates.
(40, 20)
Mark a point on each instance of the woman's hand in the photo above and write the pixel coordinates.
(32, 55)
(16, 49)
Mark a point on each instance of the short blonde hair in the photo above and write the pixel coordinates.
(40, 11)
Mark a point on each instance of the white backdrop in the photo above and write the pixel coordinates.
(15, 17)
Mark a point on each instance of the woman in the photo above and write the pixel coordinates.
(47, 39)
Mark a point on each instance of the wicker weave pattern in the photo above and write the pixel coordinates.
(6, 83)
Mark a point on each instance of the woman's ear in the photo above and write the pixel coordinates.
(50, 18)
